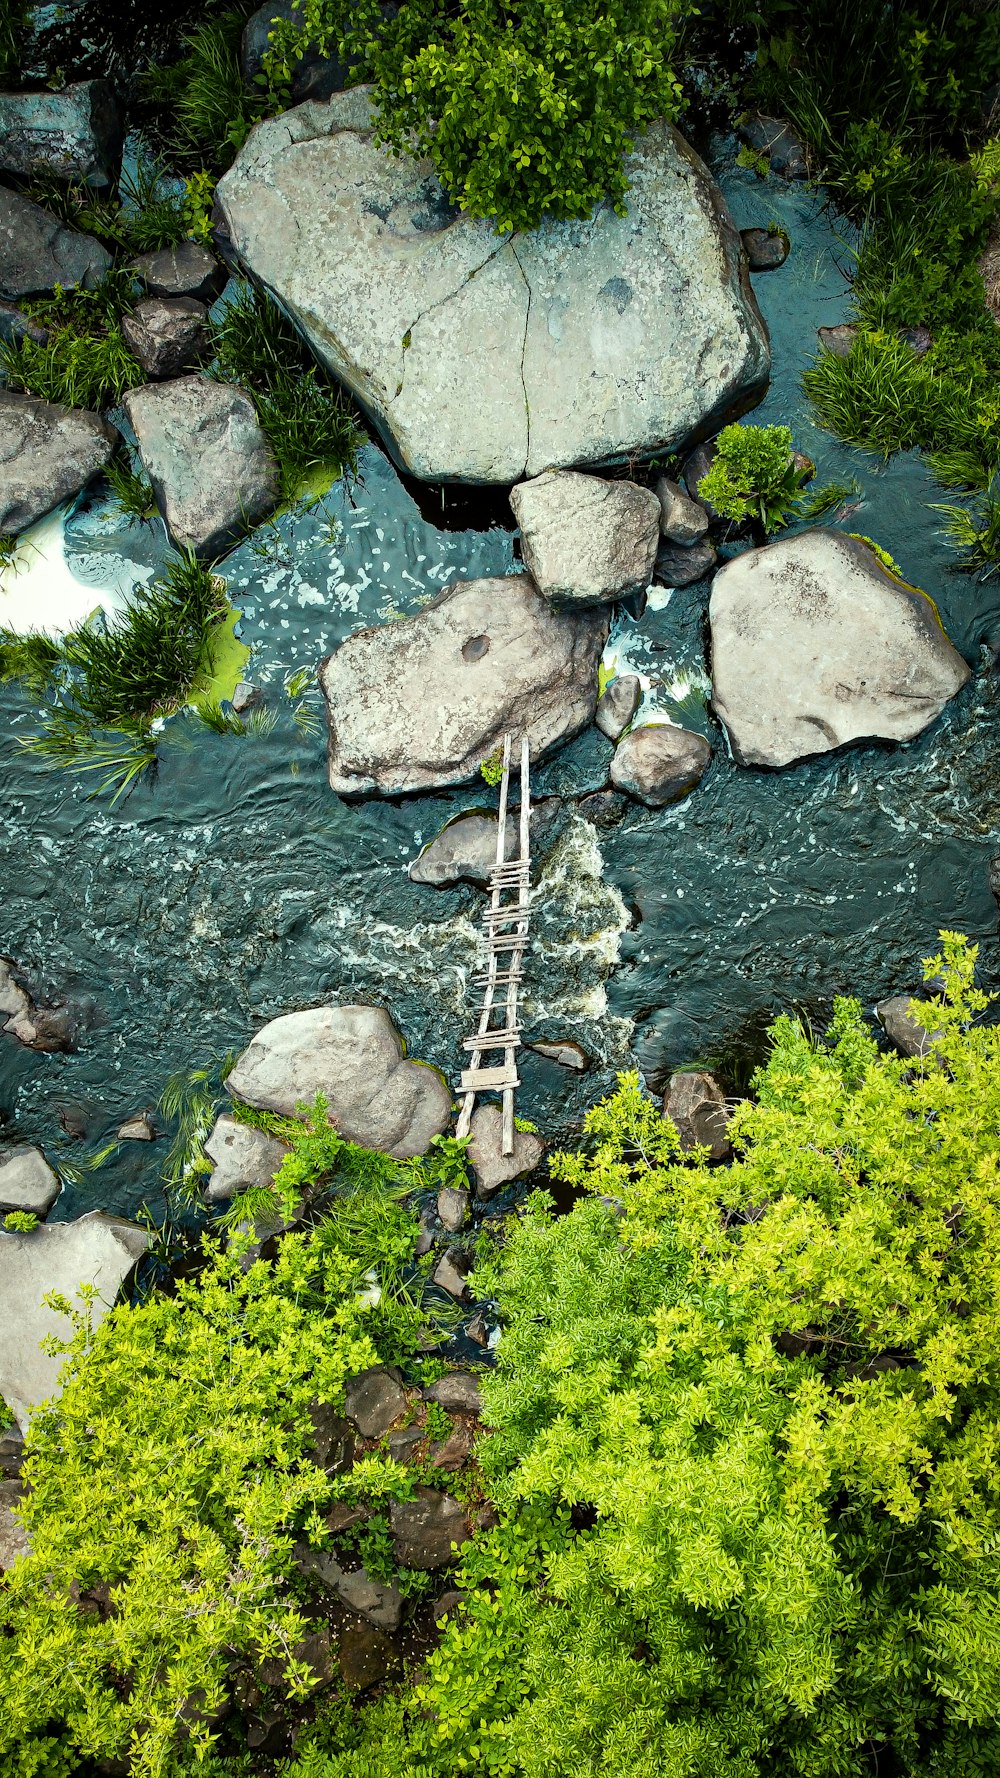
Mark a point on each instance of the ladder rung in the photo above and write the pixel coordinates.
(502, 979)
(493, 1040)
(488, 1080)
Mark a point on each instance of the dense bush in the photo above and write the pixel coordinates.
(753, 475)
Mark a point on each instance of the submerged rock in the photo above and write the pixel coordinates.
(493, 1168)
(75, 134)
(487, 657)
(485, 358)
(184, 270)
(37, 251)
(697, 1105)
(586, 541)
(27, 1182)
(815, 644)
(213, 472)
(354, 1056)
(658, 763)
(47, 453)
(167, 334)
(765, 249)
(36, 1027)
(244, 1158)
(617, 705)
(60, 1256)
(140, 1128)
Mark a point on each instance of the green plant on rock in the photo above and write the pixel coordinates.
(491, 768)
(20, 1222)
(85, 362)
(753, 475)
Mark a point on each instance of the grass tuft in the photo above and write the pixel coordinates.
(207, 108)
(85, 362)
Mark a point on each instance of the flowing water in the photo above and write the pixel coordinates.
(234, 885)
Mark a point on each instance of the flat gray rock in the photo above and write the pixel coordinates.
(60, 1256)
(586, 541)
(486, 358)
(75, 134)
(244, 1157)
(658, 763)
(213, 472)
(493, 1168)
(37, 251)
(682, 520)
(465, 850)
(353, 1055)
(27, 1182)
(815, 644)
(47, 453)
(487, 657)
(167, 334)
(697, 1105)
(459, 1392)
(185, 270)
(617, 705)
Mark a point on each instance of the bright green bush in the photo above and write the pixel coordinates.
(526, 109)
(753, 475)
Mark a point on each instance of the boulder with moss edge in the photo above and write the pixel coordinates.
(815, 644)
(419, 704)
(485, 358)
(213, 473)
(354, 1057)
(37, 251)
(47, 454)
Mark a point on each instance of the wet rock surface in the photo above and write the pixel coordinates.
(37, 251)
(36, 1027)
(586, 541)
(492, 1168)
(765, 250)
(167, 334)
(486, 658)
(617, 705)
(451, 1272)
(564, 1052)
(185, 270)
(74, 134)
(353, 1055)
(425, 1528)
(815, 644)
(212, 470)
(27, 1182)
(465, 850)
(47, 453)
(658, 763)
(243, 1157)
(697, 1105)
(486, 359)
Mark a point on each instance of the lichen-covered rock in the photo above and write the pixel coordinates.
(212, 470)
(697, 1105)
(419, 704)
(37, 251)
(493, 1168)
(586, 541)
(658, 763)
(73, 134)
(617, 705)
(185, 270)
(485, 358)
(354, 1056)
(243, 1157)
(167, 334)
(27, 1182)
(47, 453)
(815, 644)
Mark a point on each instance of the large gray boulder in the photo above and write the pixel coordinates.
(27, 1182)
(659, 763)
(354, 1056)
(243, 1158)
(37, 251)
(815, 644)
(47, 453)
(586, 541)
(420, 704)
(484, 358)
(493, 1168)
(73, 134)
(213, 472)
(98, 1250)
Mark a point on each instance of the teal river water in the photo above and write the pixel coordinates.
(235, 886)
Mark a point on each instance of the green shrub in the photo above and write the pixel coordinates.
(753, 475)
(20, 1222)
(525, 111)
(976, 531)
(145, 216)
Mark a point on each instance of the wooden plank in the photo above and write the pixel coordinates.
(491, 1080)
(492, 1040)
(465, 1116)
(507, 1125)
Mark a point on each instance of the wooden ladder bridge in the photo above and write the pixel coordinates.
(505, 924)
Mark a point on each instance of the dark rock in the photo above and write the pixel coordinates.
(454, 1451)
(838, 340)
(185, 270)
(563, 1050)
(903, 1031)
(683, 520)
(213, 472)
(15, 327)
(37, 251)
(429, 1226)
(697, 1105)
(403, 1442)
(11, 1451)
(617, 705)
(682, 567)
(424, 1529)
(36, 1027)
(775, 137)
(486, 1518)
(140, 1128)
(491, 1166)
(478, 1329)
(318, 78)
(452, 1208)
(167, 334)
(47, 453)
(343, 1517)
(73, 134)
(659, 764)
(450, 1272)
(374, 1400)
(458, 1392)
(765, 248)
(318, 1653)
(366, 1656)
(804, 466)
(604, 808)
(332, 1445)
(696, 466)
(255, 41)
(354, 1587)
(448, 1606)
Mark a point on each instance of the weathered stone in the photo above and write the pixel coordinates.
(403, 1441)
(14, 1540)
(563, 1050)
(838, 340)
(213, 472)
(765, 248)
(901, 1028)
(465, 850)
(450, 1273)
(682, 520)
(140, 1128)
(454, 1451)
(658, 764)
(60, 1256)
(490, 1165)
(775, 137)
(27, 1182)
(332, 1443)
(167, 334)
(342, 1517)
(486, 359)
(604, 808)
(185, 270)
(354, 1056)
(74, 134)
(366, 1657)
(617, 705)
(424, 1529)
(682, 567)
(697, 1105)
(374, 1400)
(586, 541)
(487, 658)
(429, 1227)
(355, 1588)
(815, 644)
(478, 1329)
(696, 466)
(37, 251)
(458, 1392)
(452, 1208)
(47, 453)
(244, 1157)
(36, 1027)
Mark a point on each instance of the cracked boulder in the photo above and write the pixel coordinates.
(815, 644)
(37, 251)
(486, 359)
(212, 470)
(486, 658)
(354, 1056)
(47, 453)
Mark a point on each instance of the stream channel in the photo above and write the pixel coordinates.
(234, 885)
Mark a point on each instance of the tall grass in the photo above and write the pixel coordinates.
(207, 111)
